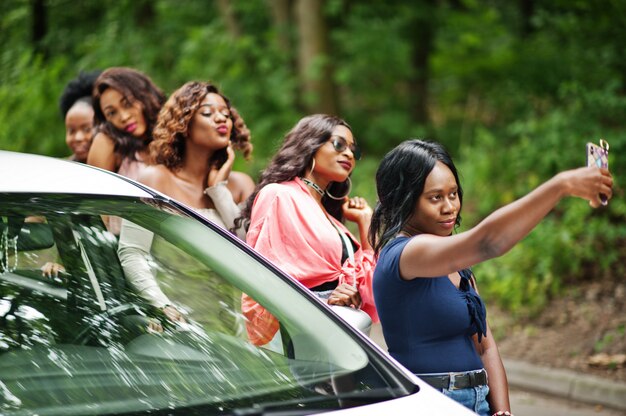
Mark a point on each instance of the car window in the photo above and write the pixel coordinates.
(152, 319)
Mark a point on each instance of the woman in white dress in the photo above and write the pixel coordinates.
(193, 151)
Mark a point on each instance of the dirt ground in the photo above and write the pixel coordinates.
(584, 330)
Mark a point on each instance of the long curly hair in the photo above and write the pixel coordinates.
(173, 122)
(295, 157)
(400, 180)
(134, 86)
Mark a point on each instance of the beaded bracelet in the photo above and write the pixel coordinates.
(502, 413)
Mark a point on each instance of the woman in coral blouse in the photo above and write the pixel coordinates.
(296, 214)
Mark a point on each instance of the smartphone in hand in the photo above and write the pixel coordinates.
(598, 155)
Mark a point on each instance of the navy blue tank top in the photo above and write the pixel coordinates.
(427, 322)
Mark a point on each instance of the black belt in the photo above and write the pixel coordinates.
(332, 285)
(456, 381)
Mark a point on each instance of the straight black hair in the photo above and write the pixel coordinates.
(400, 181)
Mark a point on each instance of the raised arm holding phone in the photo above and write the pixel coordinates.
(433, 319)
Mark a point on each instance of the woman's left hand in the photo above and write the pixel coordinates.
(220, 175)
(345, 295)
(173, 314)
(52, 270)
(356, 209)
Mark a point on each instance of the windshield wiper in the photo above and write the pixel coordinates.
(282, 408)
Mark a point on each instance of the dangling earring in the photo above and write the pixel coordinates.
(312, 166)
(341, 197)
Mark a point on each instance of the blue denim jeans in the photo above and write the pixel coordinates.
(474, 398)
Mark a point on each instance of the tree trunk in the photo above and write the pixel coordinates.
(315, 70)
(280, 15)
(527, 10)
(145, 14)
(422, 34)
(40, 26)
(230, 19)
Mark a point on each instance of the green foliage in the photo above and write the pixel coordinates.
(608, 339)
(574, 242)
(377, 102)
(29, 113)
(268, 104)
(513, 97)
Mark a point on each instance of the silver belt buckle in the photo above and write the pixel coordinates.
(452, 384)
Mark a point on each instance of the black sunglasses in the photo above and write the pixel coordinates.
(340, 144)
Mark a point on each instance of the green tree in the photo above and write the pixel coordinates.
(513, 89)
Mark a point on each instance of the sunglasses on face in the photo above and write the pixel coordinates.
(340, 144)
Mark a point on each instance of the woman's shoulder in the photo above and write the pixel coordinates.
(102, 153)
(156, 176)
(279, 189)
(103, 140)
(241, 185)
(277, 193)
(240, 177)
(394, 247)
(388, 262)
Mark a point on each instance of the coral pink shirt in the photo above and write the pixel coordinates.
(290, 229)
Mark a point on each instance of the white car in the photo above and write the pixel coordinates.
(82, 341)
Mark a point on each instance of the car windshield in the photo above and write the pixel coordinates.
(151, 320)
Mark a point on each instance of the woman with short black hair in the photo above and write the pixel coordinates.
(76, 107)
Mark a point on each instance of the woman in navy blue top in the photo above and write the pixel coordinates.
(433, 319)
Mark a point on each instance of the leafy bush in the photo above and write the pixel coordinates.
(514, 98)
(30, 119)
(574, 242)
